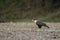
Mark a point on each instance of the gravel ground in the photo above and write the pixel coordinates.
(28, 31)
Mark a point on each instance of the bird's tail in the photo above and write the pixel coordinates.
(47, 26)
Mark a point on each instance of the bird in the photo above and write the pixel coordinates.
(39, 24)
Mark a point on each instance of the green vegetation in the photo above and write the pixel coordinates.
(25, 10)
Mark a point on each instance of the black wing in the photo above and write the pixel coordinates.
(41, 24)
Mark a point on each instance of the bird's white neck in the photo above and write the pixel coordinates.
(35, 21)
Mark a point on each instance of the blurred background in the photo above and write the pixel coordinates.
(25, 10)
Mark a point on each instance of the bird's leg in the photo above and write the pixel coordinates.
(39, 29)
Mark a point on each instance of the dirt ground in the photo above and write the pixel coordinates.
(28, 31)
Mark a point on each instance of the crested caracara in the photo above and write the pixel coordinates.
(39, 24)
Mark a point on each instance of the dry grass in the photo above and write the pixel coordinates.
(27, 31)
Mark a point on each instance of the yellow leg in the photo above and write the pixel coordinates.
(38, 30)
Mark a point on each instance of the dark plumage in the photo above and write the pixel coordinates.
(39, 24)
